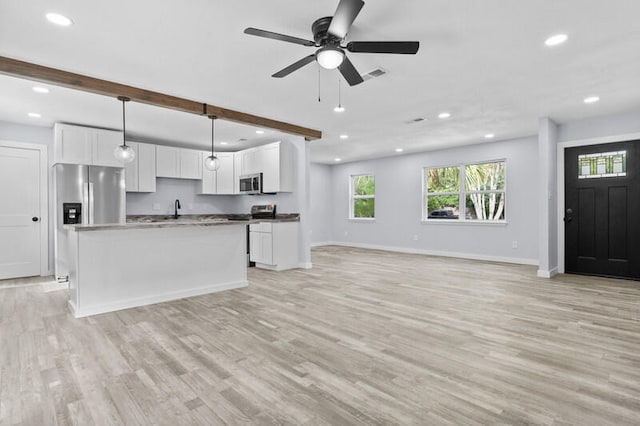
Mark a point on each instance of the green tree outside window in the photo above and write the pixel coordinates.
(363, 190)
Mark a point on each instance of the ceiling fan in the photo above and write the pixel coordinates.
(329, 34)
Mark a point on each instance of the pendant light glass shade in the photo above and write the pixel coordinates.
(212, 162)
(124, 153)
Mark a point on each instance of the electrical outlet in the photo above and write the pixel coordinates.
(346, 233)
(415, 237)
(514, 244)
(156, 206)
(189, 206)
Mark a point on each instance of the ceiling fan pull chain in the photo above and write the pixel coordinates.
(318, 84)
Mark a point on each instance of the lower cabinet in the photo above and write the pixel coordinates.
(274, 245)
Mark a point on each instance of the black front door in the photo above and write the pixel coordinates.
(602, 210)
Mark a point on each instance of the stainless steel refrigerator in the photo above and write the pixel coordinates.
(85, 195)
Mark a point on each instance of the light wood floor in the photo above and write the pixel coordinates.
(365, 337)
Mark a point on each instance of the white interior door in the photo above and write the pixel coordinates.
(20, 220)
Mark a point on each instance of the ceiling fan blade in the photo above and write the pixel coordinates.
(276, 36)
(350, 73)
(343, 18)
(401, 47)
(295, 66)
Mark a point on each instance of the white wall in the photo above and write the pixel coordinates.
(610, 125)
(399, 213)
(321, 203)
(42, 136)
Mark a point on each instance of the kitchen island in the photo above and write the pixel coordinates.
(119, 266)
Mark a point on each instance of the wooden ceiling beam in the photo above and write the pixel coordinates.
(27, 70)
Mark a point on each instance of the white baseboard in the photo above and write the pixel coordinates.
(547, 274)
(305, 265)
(143, 301)
(471, 256)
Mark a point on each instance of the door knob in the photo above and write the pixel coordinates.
(568, 216)
(35, 219)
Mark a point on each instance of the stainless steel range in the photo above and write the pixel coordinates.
(264, 211)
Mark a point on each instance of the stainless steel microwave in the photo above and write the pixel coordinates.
(251, 184)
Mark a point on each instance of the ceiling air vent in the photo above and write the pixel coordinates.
(374, 74)
(415, 120)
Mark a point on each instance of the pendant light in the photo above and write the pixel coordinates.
(339, 108)
(124, 153)
(212, 162)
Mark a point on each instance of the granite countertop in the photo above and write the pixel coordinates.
(167, 221)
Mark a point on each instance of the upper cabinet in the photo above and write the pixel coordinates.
(221, 181)
(140, 174)
(85, 145)
(172, 162)
(277, 167)
(190, 164)
(104, 145)
(273, 160)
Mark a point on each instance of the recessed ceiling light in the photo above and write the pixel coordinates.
(591, 99)
(444, 115)
(34, 115)
(260, 132)
(337, 159)
(224, 143)
(489, 136)
(40, 89)
(339, 108)
(344, 136)
(56, 18)
(399, 149)
(556, 39)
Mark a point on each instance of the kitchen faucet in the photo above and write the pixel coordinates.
(177, 206)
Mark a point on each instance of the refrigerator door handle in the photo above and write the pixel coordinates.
(90, 203)
(85, 204)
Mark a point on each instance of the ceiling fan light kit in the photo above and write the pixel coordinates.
(329, 34)
(330, 57)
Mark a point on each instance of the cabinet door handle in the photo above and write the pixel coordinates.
(35, 218)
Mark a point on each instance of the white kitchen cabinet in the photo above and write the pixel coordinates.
(105, 143)
(274, 245)
(140, 174)
(190, 164)
(172, 162)
(274, 161)
(237, 171)
(251, 161)
(73, 144)
(167, 161)
(85, 145)
(221, 181)
(277, 167)
(226, 173)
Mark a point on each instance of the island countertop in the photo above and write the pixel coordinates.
(165, 221)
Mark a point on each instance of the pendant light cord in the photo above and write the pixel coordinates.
(213, 120)
(124, 124)
(339, 93)
(124, 100)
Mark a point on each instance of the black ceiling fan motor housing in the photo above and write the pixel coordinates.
(320, 30)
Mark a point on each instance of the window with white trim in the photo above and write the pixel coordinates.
(363, 194)
(466, 192)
